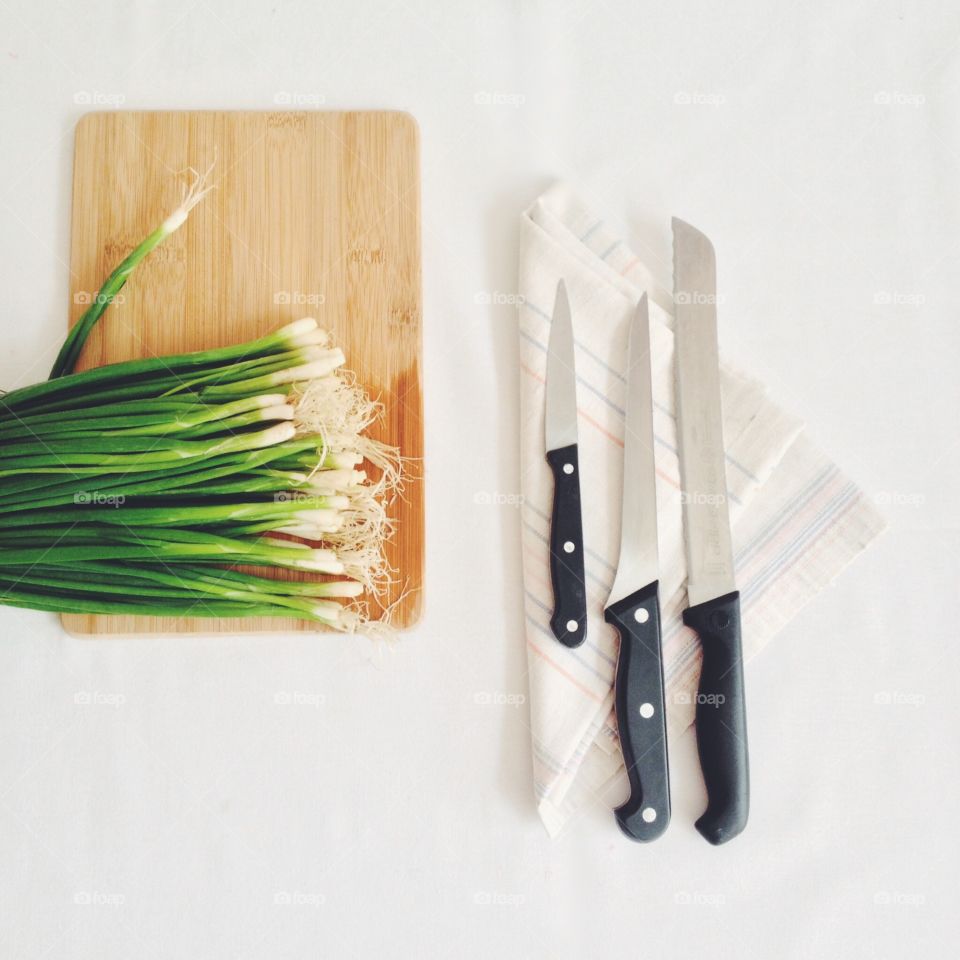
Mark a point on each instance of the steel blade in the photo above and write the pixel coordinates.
(703, 478)
(639, 563)
(561, 391)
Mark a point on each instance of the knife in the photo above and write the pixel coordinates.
(633, 607)
(713, 601)
(569, 621)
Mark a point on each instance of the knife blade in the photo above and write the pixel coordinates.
(569, 620)
(633, 607)
(713, 600)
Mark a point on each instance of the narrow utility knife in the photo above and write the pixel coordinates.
(712, 597)
(634, 608)
(569, 621)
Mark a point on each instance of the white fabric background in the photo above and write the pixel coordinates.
(820, 147)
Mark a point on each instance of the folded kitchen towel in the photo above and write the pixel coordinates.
(797, 521)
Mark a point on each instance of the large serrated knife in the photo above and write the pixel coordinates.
(634, 608)
(713, 601)
(569, 620)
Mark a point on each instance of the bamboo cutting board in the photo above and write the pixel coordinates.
(314, 214)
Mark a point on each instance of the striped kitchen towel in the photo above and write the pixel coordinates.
(797, 521)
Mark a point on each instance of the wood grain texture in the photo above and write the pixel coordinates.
(314, 214)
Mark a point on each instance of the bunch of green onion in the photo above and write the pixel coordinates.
(154, 486)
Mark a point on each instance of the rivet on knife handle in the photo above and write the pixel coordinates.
(569, 621)
(641, 718)
(721, 718)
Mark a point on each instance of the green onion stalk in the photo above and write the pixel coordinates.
(198, 484)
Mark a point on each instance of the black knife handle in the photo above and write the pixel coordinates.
(569, 621)
(641, 718)
(721, 718)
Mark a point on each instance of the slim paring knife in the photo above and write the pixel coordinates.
(569, 621)
(634, 608)
(713, 601)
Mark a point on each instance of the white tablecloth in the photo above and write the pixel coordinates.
(302, 796)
